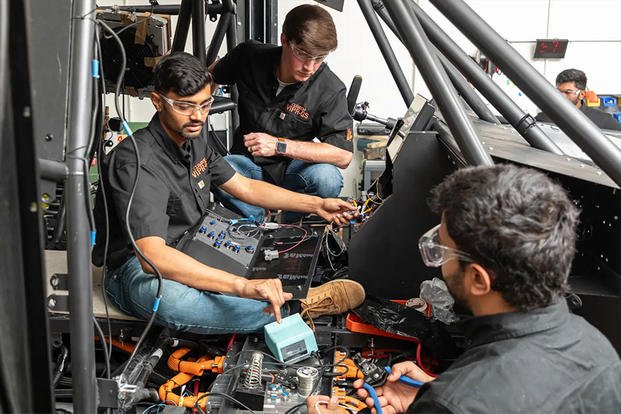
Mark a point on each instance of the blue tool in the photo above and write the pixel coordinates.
(406, 380)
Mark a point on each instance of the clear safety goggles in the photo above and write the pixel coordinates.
(435, 254)
(306, 57)
(188, 108)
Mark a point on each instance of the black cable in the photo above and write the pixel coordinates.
(221, 147)
(131, 196)
(100, 157)
(60, 365)
(105, 348)
(295, 408)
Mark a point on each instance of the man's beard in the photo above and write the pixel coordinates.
(455, 286)
(188, 136)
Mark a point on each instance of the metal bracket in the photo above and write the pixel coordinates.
(58, 303)
(59, 281)
(525, 124)
(108, 391)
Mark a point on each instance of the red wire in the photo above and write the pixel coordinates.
(230, 344)
(298, 243)
(419, 361)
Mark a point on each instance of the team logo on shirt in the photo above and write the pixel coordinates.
(199, 168)
(297, 110)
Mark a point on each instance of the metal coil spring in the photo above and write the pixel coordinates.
(253, 375)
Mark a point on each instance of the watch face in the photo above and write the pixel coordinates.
(281, 147)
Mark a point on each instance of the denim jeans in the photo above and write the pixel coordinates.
(323, 180)
(183, 308)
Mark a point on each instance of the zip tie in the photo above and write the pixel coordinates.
(95, 68)
(127, 129)
(93, 237)
(156, 304)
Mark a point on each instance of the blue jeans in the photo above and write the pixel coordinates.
(183, 308)
(323, 180)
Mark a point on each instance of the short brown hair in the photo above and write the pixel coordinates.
(311, 27)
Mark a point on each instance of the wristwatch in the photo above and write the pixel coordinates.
(281, 146)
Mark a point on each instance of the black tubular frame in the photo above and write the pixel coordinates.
(78, 237)
(467, 92)
(569, 118)
(199, 45)
(482, 82)
(387, 52)
(440, 86)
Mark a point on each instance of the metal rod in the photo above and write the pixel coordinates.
(183, 25)
(249, 35)
(78, 237)
(53, 170)
(271, 21)
(378, 6)
(216, 41)
(484, 84)
(176, 8)
(566, 115)
(168, 9)
(443, 92)
(231, 42)
(467, 92)
(199, 45)
(387, 52)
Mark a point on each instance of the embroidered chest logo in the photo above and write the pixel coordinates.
(298, 110)
(199, 168)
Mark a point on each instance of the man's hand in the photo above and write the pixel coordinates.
(336, 210)
(325, 404)
(267, 289)
(395, 396)
(260, 144)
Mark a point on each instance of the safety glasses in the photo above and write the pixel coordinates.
(434, 254)
(188, 108)
(570, 91)
(306, 57)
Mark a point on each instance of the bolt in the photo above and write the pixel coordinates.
(49, 136)
(51, 303)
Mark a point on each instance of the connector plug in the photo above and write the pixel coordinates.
(270, 255)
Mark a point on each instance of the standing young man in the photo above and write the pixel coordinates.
(505, 245)
(177, 170)
(295, 130)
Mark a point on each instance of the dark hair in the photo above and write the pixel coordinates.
(180, 73)
(311, 27)
(517, 224)
(572, 75)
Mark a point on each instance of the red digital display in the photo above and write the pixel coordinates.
(550, 48)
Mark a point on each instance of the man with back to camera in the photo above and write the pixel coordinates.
(505, 244)
(177, 169)
(294, 129)
(572, 83)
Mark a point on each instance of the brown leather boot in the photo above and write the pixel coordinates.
(332, 298)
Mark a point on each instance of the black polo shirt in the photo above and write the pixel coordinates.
(172, 192)
(600, 118)
(316, 108)
(544, 361)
